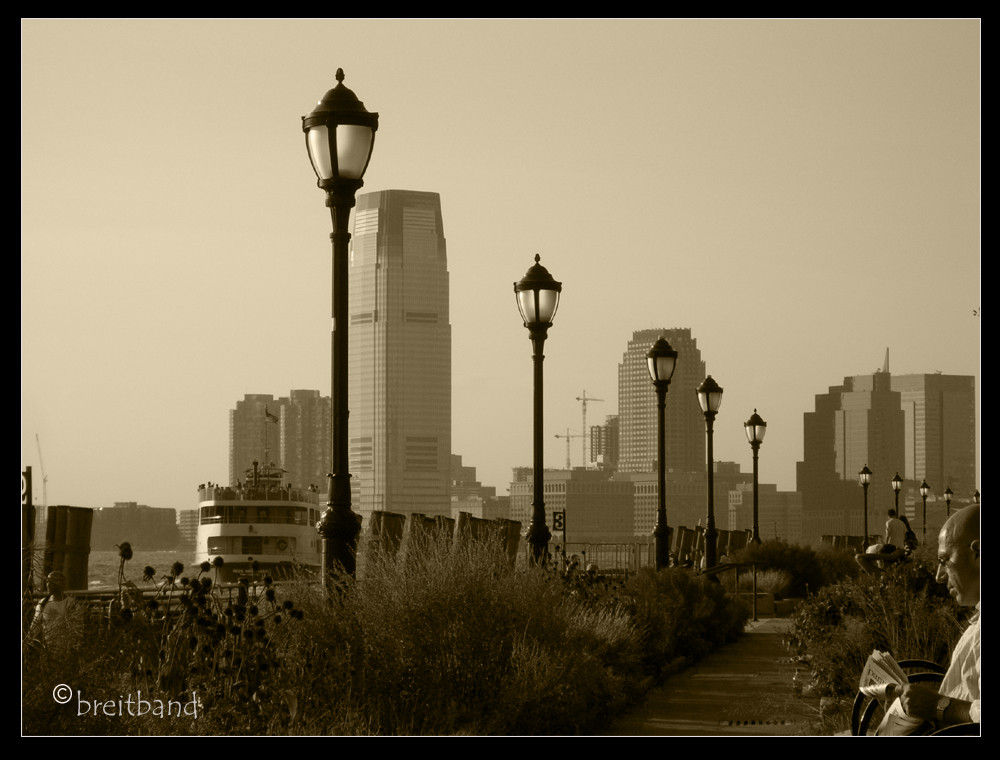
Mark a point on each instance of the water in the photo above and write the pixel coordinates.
(103, 566)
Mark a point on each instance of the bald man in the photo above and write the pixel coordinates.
(957, 698)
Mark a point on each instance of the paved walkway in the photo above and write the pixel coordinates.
(744, 689)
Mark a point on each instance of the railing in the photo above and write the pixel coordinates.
(261, 493)
(613, 558)
(253, 520)
(99, 601)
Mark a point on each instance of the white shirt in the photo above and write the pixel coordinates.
(963, 681)
(895, 532)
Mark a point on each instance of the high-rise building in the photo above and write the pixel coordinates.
(254, 434)
(940, 439)
(306, 439)
(855, 424)
(292, 432)
(684, 431)
(400, 355)
(604, 444)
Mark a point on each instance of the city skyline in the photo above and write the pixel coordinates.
(800, 194)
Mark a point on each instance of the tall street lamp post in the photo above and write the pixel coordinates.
(755, 428)
(340, 134)
(924, 491)
(948, 494)
(661, 362)
(710, 399)
(537, 299)
(865, 476)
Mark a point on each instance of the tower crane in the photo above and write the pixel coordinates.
(568, 437)
(45, 479)
(583, 401)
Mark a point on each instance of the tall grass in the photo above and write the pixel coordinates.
(444, 639)
(776, 582)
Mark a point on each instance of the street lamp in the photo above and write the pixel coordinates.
(924, 491)
(661, 362)
(340, 134)
(897, 485)
(865, 476)
(948, 493)
(755, 428)
(537, 299)
(710, 399)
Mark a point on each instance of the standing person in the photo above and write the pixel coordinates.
(895, 534)
(889, 550)
(957, 700)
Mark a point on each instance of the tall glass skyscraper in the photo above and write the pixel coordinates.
(940, 418)
(400, 355)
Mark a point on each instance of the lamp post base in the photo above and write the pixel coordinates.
(339, 528)
(661, 545)
(538, 538)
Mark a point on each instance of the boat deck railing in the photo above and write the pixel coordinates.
(215, 492)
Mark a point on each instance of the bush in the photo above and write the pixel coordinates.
(682, 616)
(776, 582)
(902, 611)
(836, 565)
(800, 562)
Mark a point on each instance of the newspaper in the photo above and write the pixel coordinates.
(882, 679)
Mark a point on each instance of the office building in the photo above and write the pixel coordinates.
(598, 509)
(940, 432)
(855, 424)
(779, 513)
(471, 496)
(253, 434)
(604, 444)
(400, 356)
(291, 432)
(145, 528)
(685, 424)
(305, 439)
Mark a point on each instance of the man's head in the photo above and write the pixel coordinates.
(892, 513)
(958, 555)
(55, 581)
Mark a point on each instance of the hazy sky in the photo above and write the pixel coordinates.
(802, 194)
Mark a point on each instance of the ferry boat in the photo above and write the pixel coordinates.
(258, 527)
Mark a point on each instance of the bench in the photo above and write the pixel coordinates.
(868, 710)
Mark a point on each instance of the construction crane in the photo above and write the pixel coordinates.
(45, 480)
(583, 400)
(568, 437)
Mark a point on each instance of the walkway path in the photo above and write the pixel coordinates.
(744, 689)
